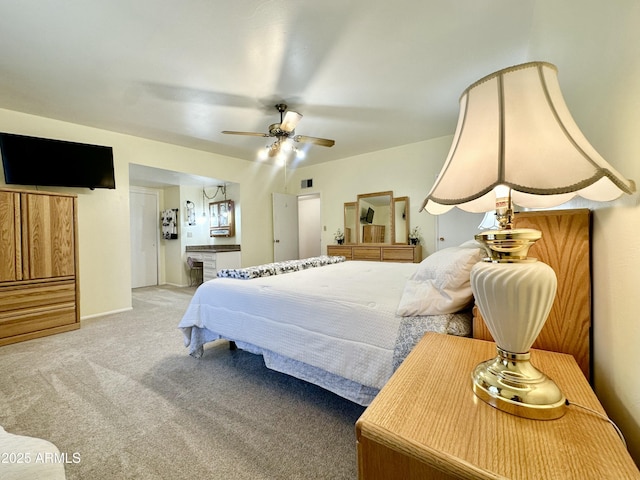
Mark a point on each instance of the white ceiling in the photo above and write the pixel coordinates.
(151, 177)
(370, 74)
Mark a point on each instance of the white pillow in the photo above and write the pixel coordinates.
(442, 283)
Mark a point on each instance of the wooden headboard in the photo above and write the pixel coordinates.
(566, 247)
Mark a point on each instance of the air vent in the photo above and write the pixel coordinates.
(308, 183)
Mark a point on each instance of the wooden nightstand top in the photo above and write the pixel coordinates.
(427, 420)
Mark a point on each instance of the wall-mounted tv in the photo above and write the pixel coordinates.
(368, 216)
(46, 162)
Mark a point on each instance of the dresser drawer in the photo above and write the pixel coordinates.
(401, 254)
(367, 253)
(339, 250)
(378, 253)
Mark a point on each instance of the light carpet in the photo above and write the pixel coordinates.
(123, 399)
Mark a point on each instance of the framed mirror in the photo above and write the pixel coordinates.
(350, 222)
(375, 218)
(401, 220)
(222, 219)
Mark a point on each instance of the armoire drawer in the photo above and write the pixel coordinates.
(35, 295)
(30, 320)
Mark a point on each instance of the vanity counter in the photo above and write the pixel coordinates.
(212, 248)
(214, 258)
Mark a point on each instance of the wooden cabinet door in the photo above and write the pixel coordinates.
(48, 238)
(373, 234)
(10, 246)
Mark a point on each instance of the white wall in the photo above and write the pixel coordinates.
(197, 234)
(173, 247)
(598, 51)
(103, 215)
(409, 171)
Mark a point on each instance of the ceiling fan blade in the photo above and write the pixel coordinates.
(253, 134)
(290, 121)
(323, 142)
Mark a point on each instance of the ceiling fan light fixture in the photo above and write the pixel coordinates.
(287, 146)
(263, 153)
(285, 136)
(290, 121)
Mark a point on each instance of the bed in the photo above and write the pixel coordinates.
(343, 325)
(347, 325)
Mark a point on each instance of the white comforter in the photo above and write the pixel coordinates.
(338, 318)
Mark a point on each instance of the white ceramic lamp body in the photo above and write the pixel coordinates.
(515, 300)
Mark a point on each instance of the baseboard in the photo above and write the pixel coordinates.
(103, 314)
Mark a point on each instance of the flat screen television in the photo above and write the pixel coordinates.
(46, 162)
(368, 216)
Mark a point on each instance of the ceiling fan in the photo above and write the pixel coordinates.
(284, 133)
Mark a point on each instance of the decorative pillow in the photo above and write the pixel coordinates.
(278, 268)
(442, 282)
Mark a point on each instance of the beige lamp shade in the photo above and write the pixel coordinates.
(514, 129)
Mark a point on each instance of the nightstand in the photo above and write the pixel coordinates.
(427, 423)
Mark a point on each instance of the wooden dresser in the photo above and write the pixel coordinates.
(427, 423)
(39, 291)
(378, 252)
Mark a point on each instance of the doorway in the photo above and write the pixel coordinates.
(309, 229)
(296, 226)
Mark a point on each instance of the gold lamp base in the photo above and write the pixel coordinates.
(512, 384)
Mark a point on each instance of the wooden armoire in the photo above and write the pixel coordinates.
(39, 290)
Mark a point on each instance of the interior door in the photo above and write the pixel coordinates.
(144, 218)
(309, 229)
(456, 227)
(285, 227)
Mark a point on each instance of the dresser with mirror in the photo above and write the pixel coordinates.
(376, 228)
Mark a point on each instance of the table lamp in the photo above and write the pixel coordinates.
(517, 143)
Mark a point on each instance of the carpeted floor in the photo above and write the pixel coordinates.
(124, 396)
